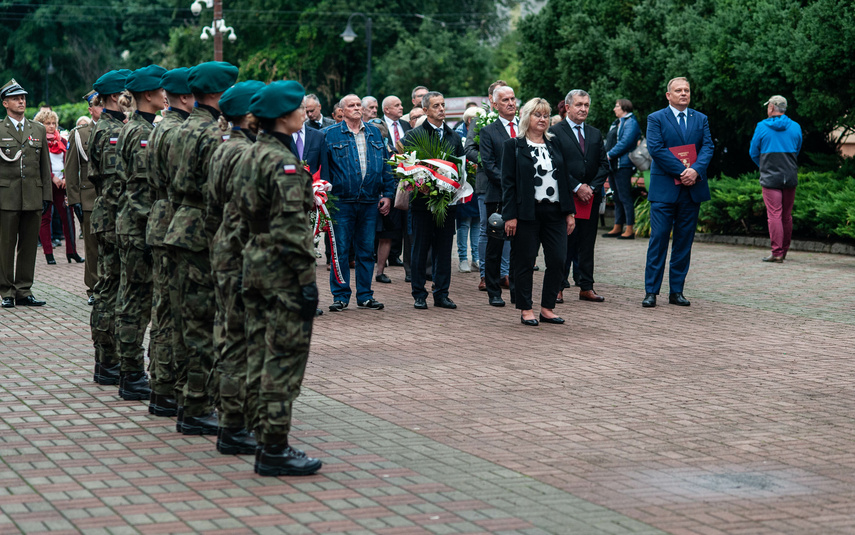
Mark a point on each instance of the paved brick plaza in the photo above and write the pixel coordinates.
(733, 416)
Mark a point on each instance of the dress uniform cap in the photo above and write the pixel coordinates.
(277, 99)
(235, 101)
(175, 81)
(111, 82)
(90, 95)
(11, 89)
(212, 77)
(145, 79)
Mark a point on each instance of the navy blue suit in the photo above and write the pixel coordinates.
(674, 208)
(313, 146)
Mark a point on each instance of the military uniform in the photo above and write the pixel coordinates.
(25, 188)
(80, 190)
(280, 291)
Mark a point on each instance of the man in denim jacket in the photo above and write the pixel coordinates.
(353, 160)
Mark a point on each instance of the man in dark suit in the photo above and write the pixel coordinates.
(307, 145)
(393, 110)
(489, 148)
(584, 154)
(428, 235)
(25, 194)
(314, 119)
(677, 188)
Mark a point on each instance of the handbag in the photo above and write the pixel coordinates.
(496, 227)
(402, 197)
(640, 156)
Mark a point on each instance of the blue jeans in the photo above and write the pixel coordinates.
(624, 208)
(354, 223)
(482, 242)
(467, 231)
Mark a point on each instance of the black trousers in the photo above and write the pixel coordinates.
(580, 246)
(549, 229)
(438, 239)
(493, 257)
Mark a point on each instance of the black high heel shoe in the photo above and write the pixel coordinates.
(50, 260)
(74, 256)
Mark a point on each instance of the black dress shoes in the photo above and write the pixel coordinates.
(133, 386)
(395, 262)
(107, 376)
(677, 298)
(200, 425)
(420, 304)
(236, 441)
(28, 301)
(649, 301)
(280, 460)
(91, 300)
(556, 320)
(162, 405)
(383, 278)
(529, 323)
(8, 302)
(444, 302)
(497, 302)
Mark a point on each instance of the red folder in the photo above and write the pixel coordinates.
(687, 155)
(583, 209)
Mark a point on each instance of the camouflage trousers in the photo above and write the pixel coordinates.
(230, 367)
(277, 352)
(103, 310)
(164, 282)
(133, 303)
(196, 309)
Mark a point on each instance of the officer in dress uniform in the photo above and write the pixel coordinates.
(25, 194)
(81, 191)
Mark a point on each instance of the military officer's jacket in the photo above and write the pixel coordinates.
(24, 166)
(78, 187)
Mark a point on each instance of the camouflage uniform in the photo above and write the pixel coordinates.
(103, 159)
(195, 142)
(226, 262)
(133, 306)
(167, 354)
(278, 261)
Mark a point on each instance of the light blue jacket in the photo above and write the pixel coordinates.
(628, 134)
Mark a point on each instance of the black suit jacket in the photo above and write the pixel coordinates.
(518, 180)
(451, 139)
(390, 139)
(492, 137)
(326, 121)
(313, 146)
(590, 167)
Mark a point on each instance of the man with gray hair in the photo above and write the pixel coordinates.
(775, 149)
(416, 97)
(369, 108)
(314, 119)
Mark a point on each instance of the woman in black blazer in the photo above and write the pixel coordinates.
(538, 209)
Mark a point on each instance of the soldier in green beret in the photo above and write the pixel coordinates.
(226, 251)
(133, 306)
(25, 194)
(81, 192)
(103, 159)
(167, 352)
(279, 288)
(197, 139)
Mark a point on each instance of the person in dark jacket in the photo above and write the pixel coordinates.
(626, 140)
(775, 149)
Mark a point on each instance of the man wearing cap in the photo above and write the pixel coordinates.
(197, 139)
(166, 352)
(226, 262)
(103, 159)
(775, 149)
(133, 305)
(280, 291)
(81, 191)
(25, 193)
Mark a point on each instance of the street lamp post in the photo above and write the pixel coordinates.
(217, 28)
(349, 35)
(50, 70)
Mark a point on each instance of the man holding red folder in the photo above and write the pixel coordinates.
(681, 146)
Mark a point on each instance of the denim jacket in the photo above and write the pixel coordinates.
(629, 132)
(340, 165)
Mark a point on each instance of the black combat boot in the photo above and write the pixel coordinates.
(283, 460)
(162, 405)
(134, 386)
(107, 376)
(179, 421)
(200, 425)
(235, 441)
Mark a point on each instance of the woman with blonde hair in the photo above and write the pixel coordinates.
(58, 148)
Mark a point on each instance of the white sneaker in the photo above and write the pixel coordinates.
(476, 266)
(463, 267)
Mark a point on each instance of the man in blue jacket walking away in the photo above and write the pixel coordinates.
(775, 149)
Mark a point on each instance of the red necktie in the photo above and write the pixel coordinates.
(397, 134)
(511, 124)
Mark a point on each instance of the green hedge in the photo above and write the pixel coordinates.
(67, 113)
(824, 208)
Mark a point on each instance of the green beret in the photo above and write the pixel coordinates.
(145, 79)
(175, 81)
(277, 99)
(235, 101)
(112, 82)
(212, 77)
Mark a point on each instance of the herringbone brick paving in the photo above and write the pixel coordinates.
(732, 416)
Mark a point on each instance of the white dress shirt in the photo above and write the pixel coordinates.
(505, 123)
